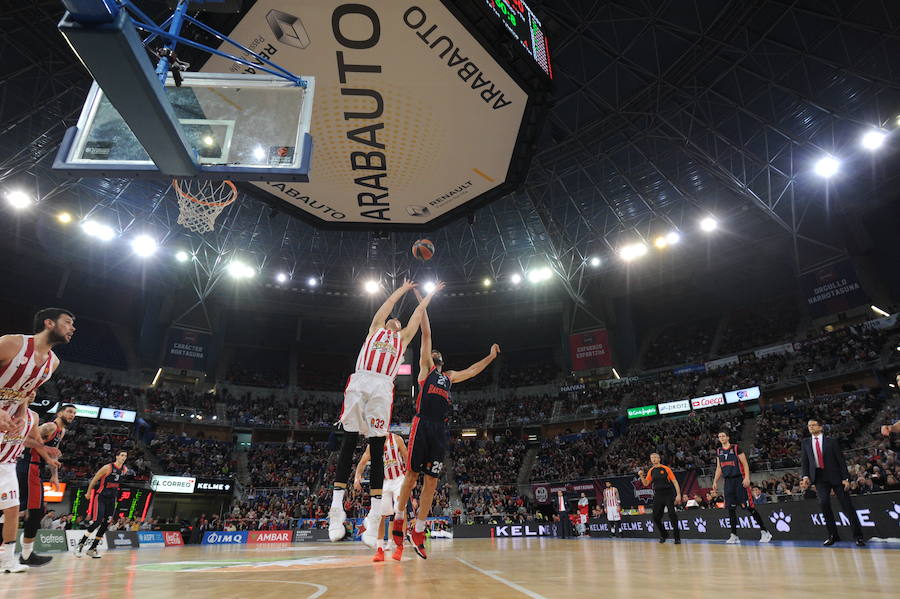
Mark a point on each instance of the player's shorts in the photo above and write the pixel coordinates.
(428, 442)
(368, 400)
(9, 486)
(613, 514)
(31, 490)
(735, 493)
(582, 518)
(390, 493)
(102, 506)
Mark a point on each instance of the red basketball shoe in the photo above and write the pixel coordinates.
(418, 542)
(379, 555)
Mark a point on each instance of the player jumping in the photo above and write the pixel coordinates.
(732, 463)
(429, 434)
(31, 488)
(394, 470)
(102, 508)
(368, 400)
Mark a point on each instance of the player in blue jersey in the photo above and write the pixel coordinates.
(429, 435)
(731, 464)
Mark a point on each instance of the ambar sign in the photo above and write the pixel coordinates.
(412, 117)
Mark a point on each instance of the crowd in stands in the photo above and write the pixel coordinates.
(767, 322)
(782, 426)
(497, 503)
(258, 367)
(838, 350)
(89, 445)
(683, 343)
(527, 367)
(181, 401)
(287, 464)
(186, 456)
(487, 461)
(99, 391)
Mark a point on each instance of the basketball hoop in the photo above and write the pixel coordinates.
(200, 201)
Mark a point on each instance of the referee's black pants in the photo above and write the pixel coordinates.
(665, 499)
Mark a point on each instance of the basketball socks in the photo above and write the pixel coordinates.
(758, 518)
(732, 516)
(420, 525)
(345, 459)
(95, 543)
(27, 548)
(337, 497)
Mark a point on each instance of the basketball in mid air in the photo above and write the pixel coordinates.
(423, 250)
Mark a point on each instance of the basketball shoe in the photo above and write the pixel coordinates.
(733, 540)
(379, 555)
(336, 530)
(418, 542)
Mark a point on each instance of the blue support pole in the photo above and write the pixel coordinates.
(177, 20)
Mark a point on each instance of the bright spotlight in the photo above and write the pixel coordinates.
(240, 270)
(18, 199)
(259, 153)
(487, 282)
(873, 140)
(64, 218)
(208, 140)
(539, 275)
(181, 256)
(516, 279)
(371, 287)
(281, 277)
(673, 238)
(661, 242)
(428, 287)
(595, 261)
(98, 230)
(880, 312)
(312, 282)
(827, 167)
(144, 246)
(709, 224)
(632, 251)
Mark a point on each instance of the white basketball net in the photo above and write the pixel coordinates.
(200, 201)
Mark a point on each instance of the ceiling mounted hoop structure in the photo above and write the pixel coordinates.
(200, 201)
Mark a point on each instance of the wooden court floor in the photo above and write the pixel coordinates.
(468, 569)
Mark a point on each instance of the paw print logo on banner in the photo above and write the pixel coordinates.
(649, 525)
(895, 513)
(781, 521)
(700, 524)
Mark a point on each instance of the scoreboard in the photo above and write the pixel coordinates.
(526, 28)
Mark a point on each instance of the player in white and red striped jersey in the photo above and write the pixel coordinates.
(613, 506)
(394, 471)
(28, 361)
(369, 398)
(23, 434)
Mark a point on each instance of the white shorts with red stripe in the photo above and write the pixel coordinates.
(612, 513)
(368, 401)
(390, 492)
(9, 486)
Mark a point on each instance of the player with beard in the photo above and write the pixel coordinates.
(31, 488)
(429, 434)
(613, 506)
(28, 361)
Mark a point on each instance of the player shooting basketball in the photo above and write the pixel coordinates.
(429, 433)
(368, 400)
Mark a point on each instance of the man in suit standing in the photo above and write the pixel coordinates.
(564, 530)
(823, 464)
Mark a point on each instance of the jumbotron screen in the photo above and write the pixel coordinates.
(526, 28)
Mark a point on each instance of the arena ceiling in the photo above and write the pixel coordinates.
(665, 111)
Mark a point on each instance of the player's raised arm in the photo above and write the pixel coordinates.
(385, 310)
(412, 327)
(458, 376)
(426, 363)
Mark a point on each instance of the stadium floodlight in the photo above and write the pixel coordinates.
(827, 167)
(873, 140)
(312, 282)
(259, 153)
(18, 199)
(281, 277)
(661, 242)
(632, 250)
(879, 311)
(709, 224)
(64, 218)
(428, 287)
(487, 282)
(539, 275)
(240, 270)
(371, 287)
(673, 237)
(595, 261)
(516, 279)
(144, 246)
(98, 230)
(181, 256)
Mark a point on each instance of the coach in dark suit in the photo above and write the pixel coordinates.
(564, 530)
(823, 464)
